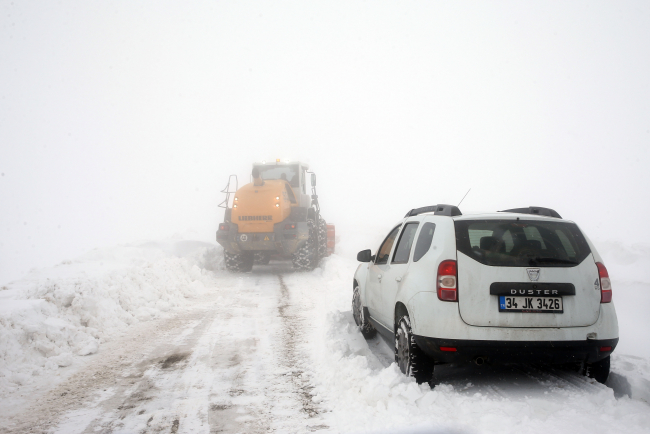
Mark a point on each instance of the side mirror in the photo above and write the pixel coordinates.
(364, 256)
(313, 180)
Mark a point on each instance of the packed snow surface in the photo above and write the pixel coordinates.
(157, 337)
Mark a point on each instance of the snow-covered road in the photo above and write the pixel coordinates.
(277, 351)
(229, 362)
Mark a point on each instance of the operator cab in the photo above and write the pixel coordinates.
(295, 173)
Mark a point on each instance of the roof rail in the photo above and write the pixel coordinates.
(538, 210)
(440, 209)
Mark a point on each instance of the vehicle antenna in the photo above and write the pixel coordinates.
(461, 201)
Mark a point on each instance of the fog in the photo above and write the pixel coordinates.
(121, 121)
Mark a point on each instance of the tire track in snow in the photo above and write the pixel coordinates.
(294, 360)
(497, 391)
(237, 401)
(575, 380)
(554, 377)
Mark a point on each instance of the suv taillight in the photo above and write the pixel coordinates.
(605, 283)
(447, 282)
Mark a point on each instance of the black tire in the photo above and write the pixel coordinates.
(261, 257)
(305, 257)
(599, 370)
(409, 357)
(322, 238)
(238, 262)
(366, 329)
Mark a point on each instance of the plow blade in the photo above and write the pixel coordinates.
(331, 239)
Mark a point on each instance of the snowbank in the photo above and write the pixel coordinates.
(369, 397)
(58, 314)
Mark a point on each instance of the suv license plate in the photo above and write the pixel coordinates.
(530, 304)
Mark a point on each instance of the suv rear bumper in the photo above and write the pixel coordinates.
(547, 352)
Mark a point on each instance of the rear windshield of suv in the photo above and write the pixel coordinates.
(522, 243)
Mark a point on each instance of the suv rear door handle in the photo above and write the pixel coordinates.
(398, 278)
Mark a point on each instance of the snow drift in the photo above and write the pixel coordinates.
(56, 314)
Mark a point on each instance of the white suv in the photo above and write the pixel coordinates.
(520, 285)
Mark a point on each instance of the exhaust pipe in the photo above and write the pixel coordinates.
(480, 361)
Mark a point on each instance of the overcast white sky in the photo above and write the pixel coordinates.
(121, 121)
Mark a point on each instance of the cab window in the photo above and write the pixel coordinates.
(386, 246)
(403, 249)
(289, 173)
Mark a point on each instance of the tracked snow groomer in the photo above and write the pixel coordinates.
(277, 215)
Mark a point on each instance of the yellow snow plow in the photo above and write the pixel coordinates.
(276, 215)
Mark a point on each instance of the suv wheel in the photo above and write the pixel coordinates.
(238, 262)
(366, 329)
(599, 370)
(409, 357)
(322, 238)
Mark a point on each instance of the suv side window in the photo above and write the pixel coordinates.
(403, 249)
(424, 241)
(386, 246)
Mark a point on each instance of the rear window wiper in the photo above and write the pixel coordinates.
(557, 260)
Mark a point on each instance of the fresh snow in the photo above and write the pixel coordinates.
(158, 337)
(57, 314)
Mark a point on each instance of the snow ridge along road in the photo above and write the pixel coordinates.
(277, 351)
